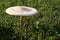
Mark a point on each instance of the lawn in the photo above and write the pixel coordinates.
(43, 26)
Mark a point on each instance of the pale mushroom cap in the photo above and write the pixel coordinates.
(21, 11)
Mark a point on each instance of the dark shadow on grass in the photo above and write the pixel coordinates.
(6, 33)
(9, 34)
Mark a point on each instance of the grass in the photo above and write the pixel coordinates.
(43, 26)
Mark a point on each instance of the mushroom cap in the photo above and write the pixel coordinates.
(21, 11)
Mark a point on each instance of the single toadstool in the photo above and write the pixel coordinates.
(21, 11)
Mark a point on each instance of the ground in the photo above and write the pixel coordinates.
(43, 26)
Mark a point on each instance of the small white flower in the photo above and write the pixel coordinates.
(37, 22)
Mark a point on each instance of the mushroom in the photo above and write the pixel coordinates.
(21, 11)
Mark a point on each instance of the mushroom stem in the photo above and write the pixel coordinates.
(21, 21)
